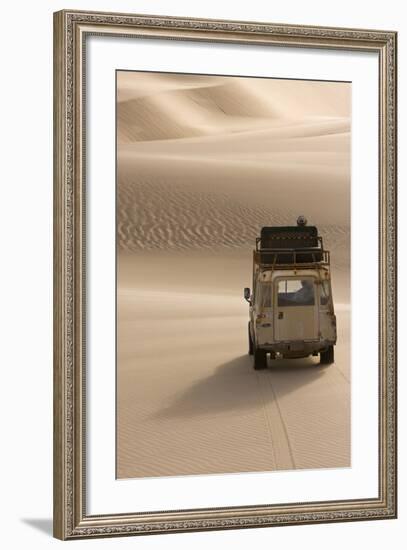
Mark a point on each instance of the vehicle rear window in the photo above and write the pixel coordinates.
(296, 292)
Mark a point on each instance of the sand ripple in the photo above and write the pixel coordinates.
(154, 217)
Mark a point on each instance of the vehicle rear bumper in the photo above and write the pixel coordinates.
(297, 348)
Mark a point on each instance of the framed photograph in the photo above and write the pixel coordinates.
(225, 274)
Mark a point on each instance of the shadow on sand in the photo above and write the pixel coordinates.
(235, 385)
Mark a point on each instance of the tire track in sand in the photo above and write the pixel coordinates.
(283, 456)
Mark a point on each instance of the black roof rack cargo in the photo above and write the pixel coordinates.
(296, 236)
(290, 245)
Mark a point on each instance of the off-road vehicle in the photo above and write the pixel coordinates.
(291, 307)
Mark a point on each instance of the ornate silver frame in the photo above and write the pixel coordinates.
(70, 518)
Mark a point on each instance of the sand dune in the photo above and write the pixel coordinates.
(205, 110)
(208, 161)
(203, 163)
(161, 104)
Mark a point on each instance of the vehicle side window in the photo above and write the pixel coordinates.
(296, 292)
(324, 293)
(264, 294)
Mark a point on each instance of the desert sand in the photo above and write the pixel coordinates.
(203, 163)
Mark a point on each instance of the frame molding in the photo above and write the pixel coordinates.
(70, 518)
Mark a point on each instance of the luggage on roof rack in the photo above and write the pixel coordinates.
(289, 237)
(290, 245)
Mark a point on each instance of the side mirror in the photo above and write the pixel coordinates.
(246, 294)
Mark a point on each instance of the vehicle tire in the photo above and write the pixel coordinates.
(327, 357)
(250, 340)
(260, 359)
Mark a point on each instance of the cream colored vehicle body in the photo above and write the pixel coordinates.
(285, 324)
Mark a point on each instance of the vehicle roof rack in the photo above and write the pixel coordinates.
(290, 246)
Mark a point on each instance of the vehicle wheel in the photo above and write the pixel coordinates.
(250, 340)
(260, 359)
(327, 357)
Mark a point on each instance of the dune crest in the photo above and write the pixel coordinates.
(173, 108)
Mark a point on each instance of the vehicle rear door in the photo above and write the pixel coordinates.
(296, 309)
